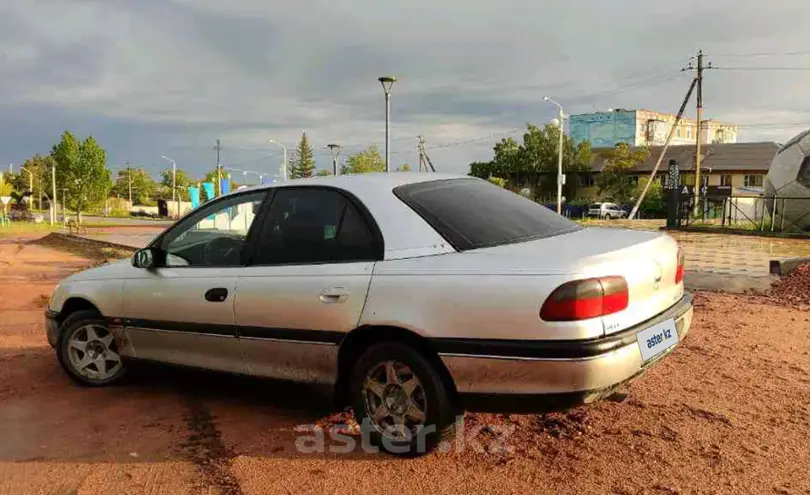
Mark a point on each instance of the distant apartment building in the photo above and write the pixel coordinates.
(645, 128)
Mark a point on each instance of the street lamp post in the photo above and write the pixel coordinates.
(560, 176)
(387, 83)
(334, 150)
(30, 181)
(64, 204)
(175, 200)
(53, 193)
(284, 160)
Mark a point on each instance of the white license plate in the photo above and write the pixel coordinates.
(657, 339)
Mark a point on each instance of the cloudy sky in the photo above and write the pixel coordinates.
(159, 77)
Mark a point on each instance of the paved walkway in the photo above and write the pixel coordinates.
(734, 259)
(724, 254)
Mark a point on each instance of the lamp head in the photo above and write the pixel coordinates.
(387, 82)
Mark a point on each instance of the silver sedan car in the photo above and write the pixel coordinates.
(407, 293)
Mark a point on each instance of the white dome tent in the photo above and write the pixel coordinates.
(789, 178)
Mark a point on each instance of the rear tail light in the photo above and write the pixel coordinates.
(679, 270)
(585, 299)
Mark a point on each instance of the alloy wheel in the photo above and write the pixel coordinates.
(394, 400)
(92, 352)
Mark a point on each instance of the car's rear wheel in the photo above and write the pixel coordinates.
(87, 350)
(400, 400)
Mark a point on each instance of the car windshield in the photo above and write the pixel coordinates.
(472, 213)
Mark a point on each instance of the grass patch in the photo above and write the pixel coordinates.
(17, 228)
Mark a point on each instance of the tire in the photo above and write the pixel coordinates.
(429, 395)
(84, 337)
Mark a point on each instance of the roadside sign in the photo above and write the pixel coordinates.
(708, 190)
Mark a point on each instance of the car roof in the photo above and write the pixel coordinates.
(385, 180)
(405, 233)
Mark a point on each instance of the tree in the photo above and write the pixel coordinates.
(211, 176)
(5, 186)
(368, 160)
(143, 186)
(616, 181)
(324, 173)
(39, 179)
(182, 182)
(534, 163)
(497, 181)
(303, 164)
(653, 202)
(15, 181)
(81, 168)
(404, 168)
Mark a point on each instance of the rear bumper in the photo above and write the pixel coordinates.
(571, 372)
(52, 327)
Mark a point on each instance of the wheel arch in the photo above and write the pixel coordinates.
(361, 338)
(74, 304)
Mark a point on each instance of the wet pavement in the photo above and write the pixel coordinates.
(737, 254)
(732, 256)
(724, 254)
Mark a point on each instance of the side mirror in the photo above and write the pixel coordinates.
(145, 258)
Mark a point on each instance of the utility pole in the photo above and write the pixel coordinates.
(422, 164)
(334, 151)
(129, 182)
(424, 159)
(219, 170)
(53, 193)
(664, 150)
(699, 82)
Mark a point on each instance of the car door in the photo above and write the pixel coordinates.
(306, 283)
(181, 312)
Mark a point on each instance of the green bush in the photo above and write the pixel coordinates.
(497, 181)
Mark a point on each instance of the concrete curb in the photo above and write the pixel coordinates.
(785, 266)
(729, 231)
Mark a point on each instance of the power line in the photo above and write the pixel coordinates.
(765, 68)
(473, 140)
(764, 54)
(644, 82)
(776, 124)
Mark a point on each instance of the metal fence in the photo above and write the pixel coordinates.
(763, 213)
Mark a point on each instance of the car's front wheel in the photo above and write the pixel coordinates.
(87, 350)
(400, 400)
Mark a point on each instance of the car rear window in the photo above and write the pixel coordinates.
(472, 213)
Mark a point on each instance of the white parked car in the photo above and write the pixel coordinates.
(608, 211)
(407, 293)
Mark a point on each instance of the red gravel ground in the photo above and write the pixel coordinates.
(794, 288)
(727, 412)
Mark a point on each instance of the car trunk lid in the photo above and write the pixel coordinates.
(647, 260)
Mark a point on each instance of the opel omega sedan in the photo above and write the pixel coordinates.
(405, 292)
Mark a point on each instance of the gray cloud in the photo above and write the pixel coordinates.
(156, 77)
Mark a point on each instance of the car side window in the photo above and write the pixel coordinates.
(215, 235)
(313, 225)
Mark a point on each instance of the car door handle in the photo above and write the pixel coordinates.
(218, 294)
(334, 295)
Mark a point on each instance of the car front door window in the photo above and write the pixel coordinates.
(313, 225)
(215, 235)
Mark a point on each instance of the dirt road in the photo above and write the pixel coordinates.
(728, 412)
